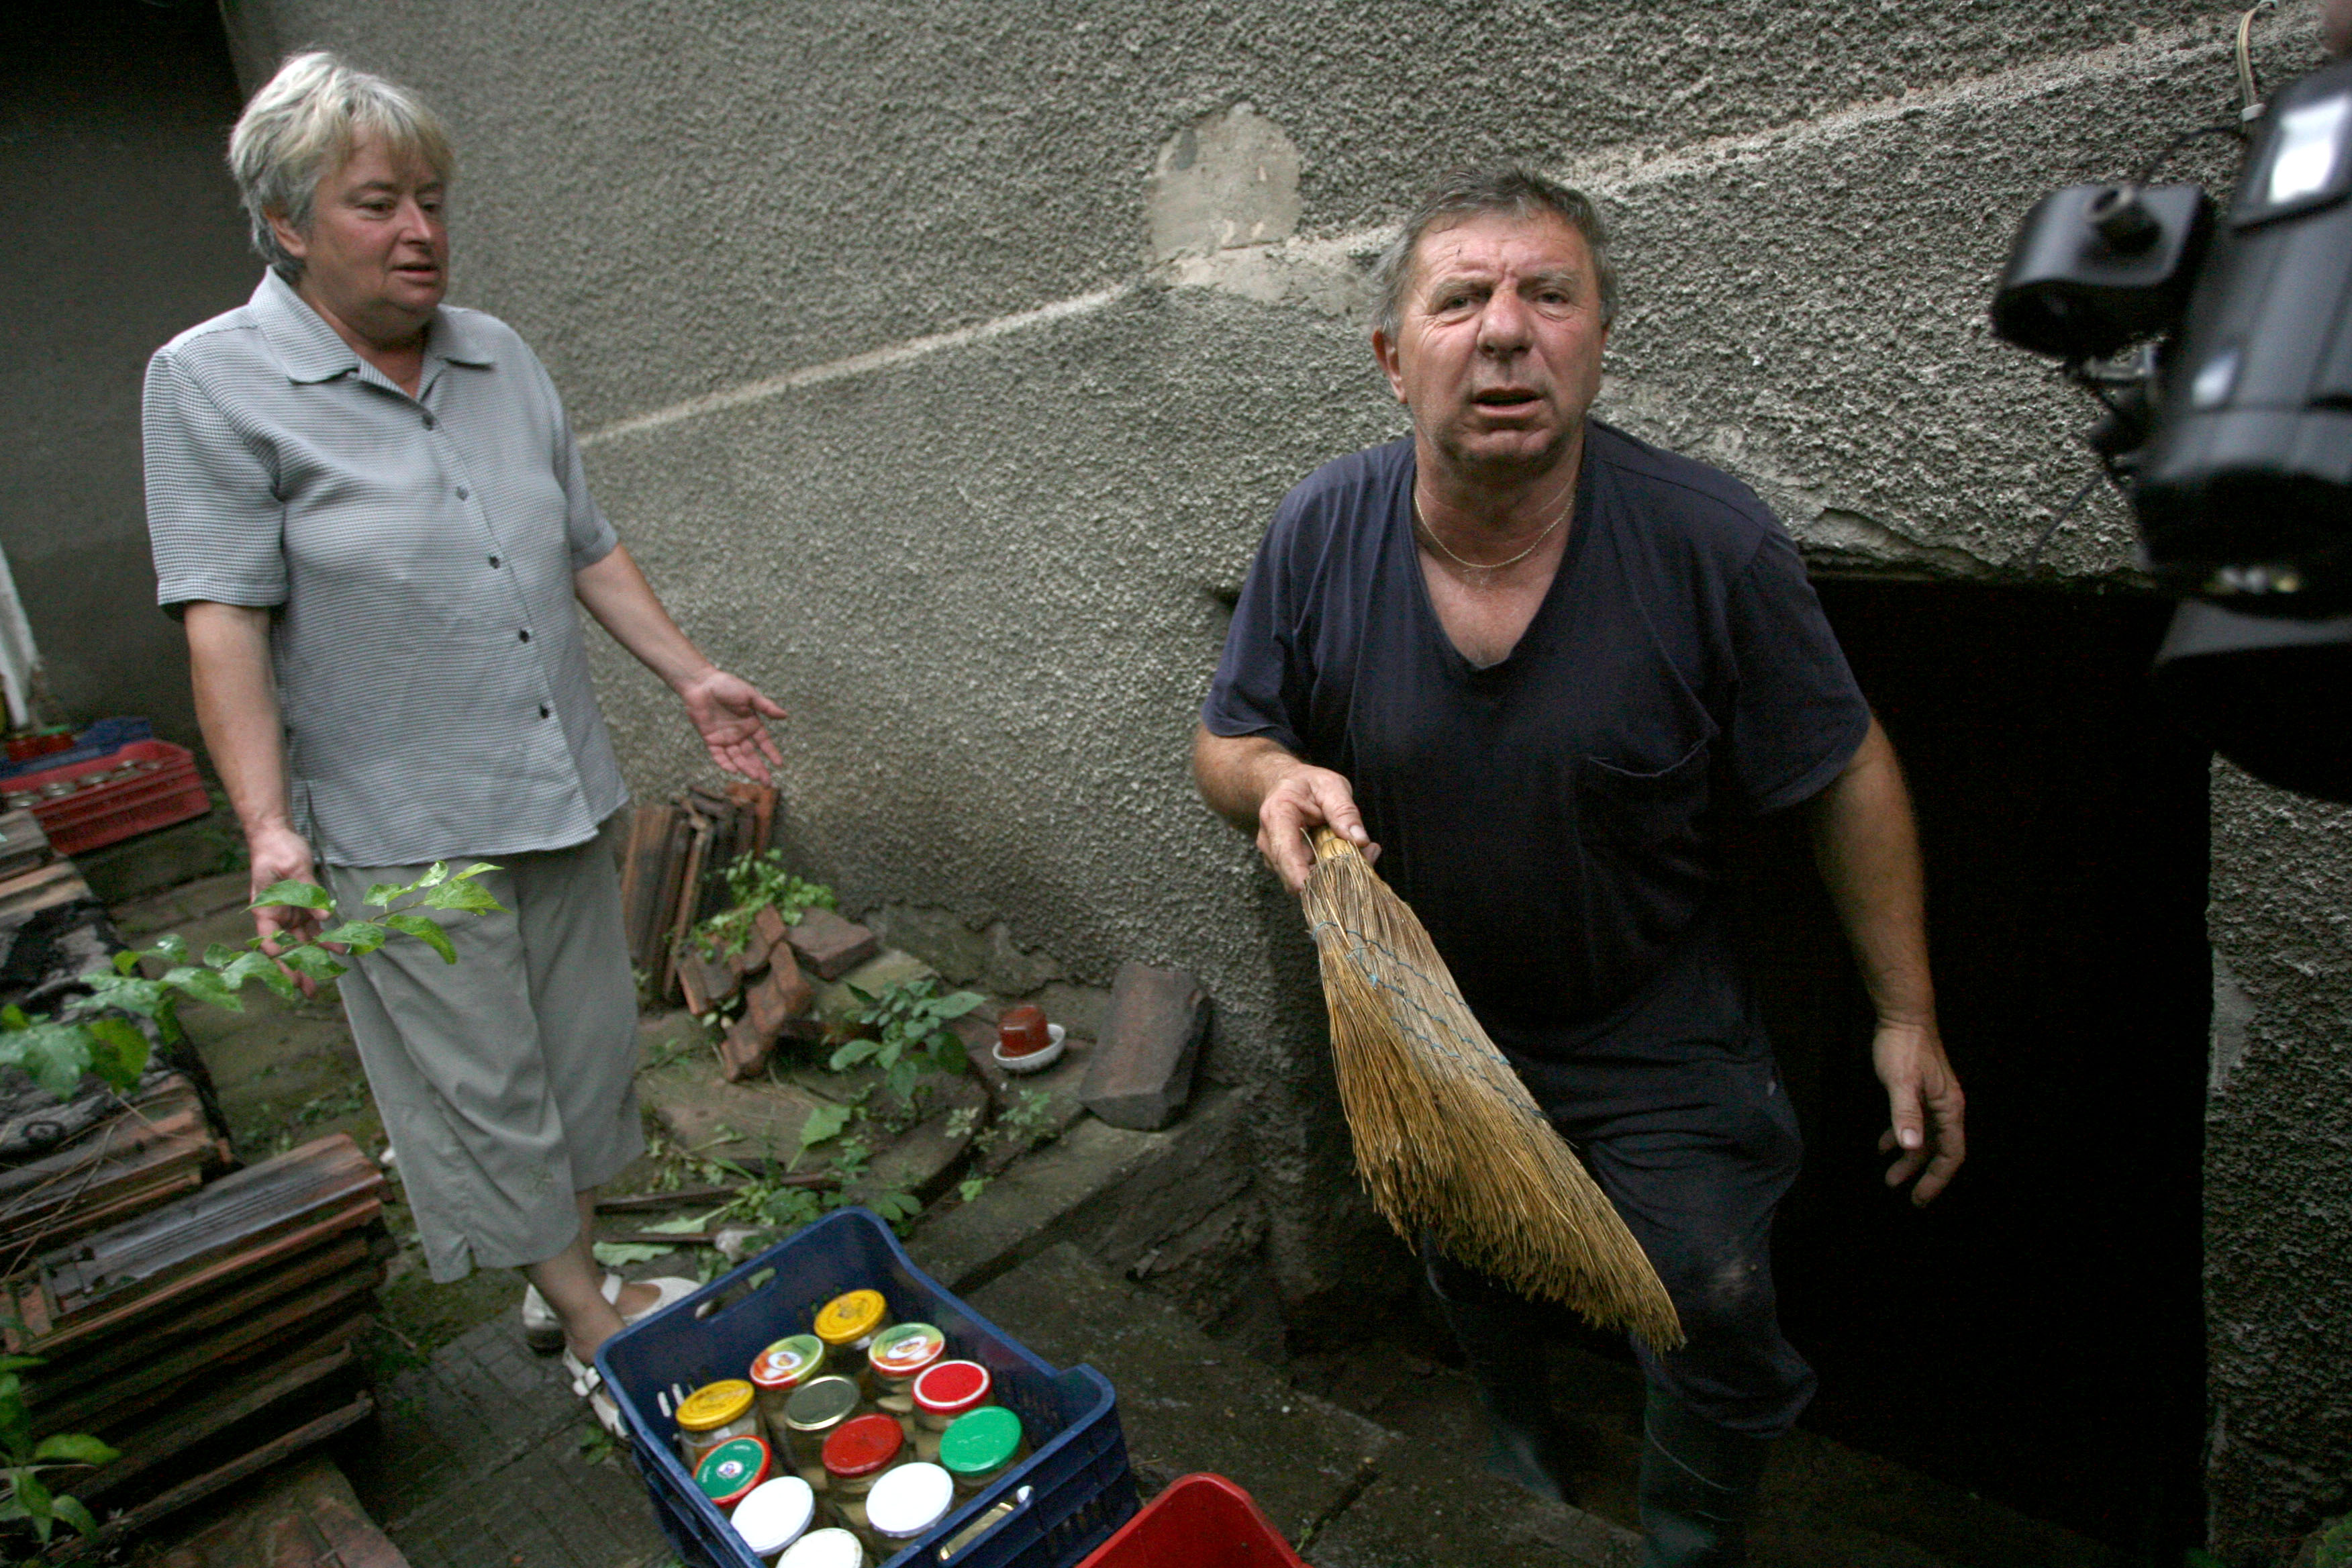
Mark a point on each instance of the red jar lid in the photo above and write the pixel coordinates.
(862, 1446)
(951, 1387)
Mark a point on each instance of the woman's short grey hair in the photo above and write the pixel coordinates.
(1470, 192)
(304, 123)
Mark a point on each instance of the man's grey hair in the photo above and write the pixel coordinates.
(303, 125)
(1471, 192)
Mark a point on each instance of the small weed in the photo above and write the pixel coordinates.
(756, 882)
(910, 1020)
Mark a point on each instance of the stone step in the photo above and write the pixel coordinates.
(1349, 1491)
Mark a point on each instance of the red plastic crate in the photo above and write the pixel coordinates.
(100, 813)
(1200, 1522)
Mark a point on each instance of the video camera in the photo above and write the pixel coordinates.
(2221, 346)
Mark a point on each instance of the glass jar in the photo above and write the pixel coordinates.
(710, 1415)
(899, 1354)
(978, 1448)
(847, 1325)
(776, 1514)
(949, 1389)
(777, 1372)
(905, 1505)
(729, 1472)
(860, 1452)
(824, 1548)
(811, 1416)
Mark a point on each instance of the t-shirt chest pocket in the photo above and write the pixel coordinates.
(1625, 809)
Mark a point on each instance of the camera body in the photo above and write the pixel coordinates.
(2233, 437)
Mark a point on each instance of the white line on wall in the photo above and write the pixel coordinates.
(1617, 171)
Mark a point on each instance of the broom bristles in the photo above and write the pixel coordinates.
(1447, 1138)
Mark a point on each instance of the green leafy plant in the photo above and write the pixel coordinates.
(58, 1051)
(910, 1020)
(24, 1495)
(756, 882)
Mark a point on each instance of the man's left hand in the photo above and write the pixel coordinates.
(732, 715)
(1924, 1108)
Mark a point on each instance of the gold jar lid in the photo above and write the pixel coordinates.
(848, 1319)
(715, 1404)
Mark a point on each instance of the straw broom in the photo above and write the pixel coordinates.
(1447, 1138)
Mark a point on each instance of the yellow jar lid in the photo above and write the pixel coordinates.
(715, 1404)
(846, 1320)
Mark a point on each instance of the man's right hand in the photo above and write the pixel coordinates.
(279, 855)
(1253, 782)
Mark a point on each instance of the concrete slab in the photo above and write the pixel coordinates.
(1187, 1402)
(835, 1004)
(1025, 1210)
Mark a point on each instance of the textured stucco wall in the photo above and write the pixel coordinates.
(882, 379)
(112, 118)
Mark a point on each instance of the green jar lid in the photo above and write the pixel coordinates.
(732, 1469)
(820, 1404)
(983, 1441)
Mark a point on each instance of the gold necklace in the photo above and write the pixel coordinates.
(1423, 523)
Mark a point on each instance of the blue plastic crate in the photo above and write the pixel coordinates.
(1064, 1500)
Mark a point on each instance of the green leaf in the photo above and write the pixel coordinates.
(204, 985)
(955, 1005)
(896, 1206)
(304, 958)
(759, 1277)
(972, 1187)
(471, 897)
(118, 1050)
(75, 1448)
(686, 1226)
(947, 1055)
(33, 1494)
(14, 1017)
(425, 931)
(292, 894)
(852, 1053)
(9, 1364)
(380, 895)
(220, 955)
(621, 1253)
(438, 874)
(171, 947)
(823, 1123)
(360, 936)
(71, 1510)
(860, 993)
(55, 1055)
(126, 962)
(476, 869)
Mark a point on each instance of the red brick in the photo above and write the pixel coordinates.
(1142, 1072)
(830, 945)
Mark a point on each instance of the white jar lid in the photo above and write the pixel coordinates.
(824, 1548)
(772, 1515)
(910, 1500)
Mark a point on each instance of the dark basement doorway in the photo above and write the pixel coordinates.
(2036, 1336)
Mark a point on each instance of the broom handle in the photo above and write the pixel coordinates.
(1329, 845)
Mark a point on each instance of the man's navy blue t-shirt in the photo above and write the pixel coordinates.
(1547, 817)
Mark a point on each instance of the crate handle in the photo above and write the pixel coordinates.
(985, 1524)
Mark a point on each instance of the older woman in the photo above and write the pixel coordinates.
(369, 509)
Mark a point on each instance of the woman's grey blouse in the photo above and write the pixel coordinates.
(419, 555)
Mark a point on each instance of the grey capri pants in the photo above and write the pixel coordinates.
(507, 1081)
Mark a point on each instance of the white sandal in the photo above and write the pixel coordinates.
(543, 1331)
(589, 1385)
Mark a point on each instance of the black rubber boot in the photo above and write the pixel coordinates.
(1504, 1341)
(1697, 1485)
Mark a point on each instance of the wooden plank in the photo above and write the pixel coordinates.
(127, 1308)
(30, 892)
(185, 1426)
(192, 1235)
(342, 1305)
(689, 883)
(107, 1354)
(206, 1485)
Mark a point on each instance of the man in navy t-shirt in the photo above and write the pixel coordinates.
(1528, 661)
